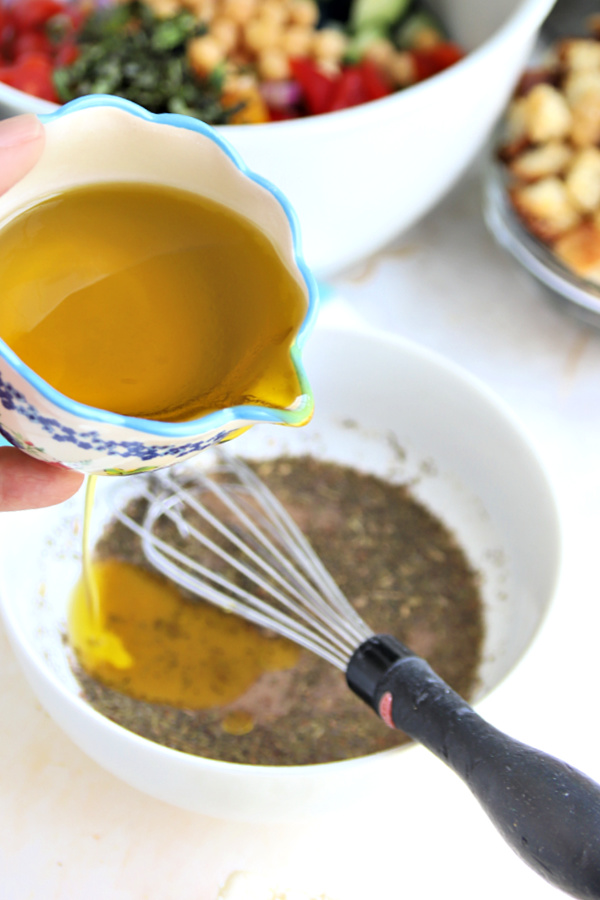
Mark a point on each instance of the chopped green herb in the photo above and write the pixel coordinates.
(128, 51)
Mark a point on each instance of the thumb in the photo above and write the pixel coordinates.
(27, 483)
(21, 144)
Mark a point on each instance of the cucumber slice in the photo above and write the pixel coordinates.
(376, 14)
(358, 43)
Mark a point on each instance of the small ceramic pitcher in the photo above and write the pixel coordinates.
(106, 139)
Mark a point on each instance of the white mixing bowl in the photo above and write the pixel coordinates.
(359, 177)
(469, 463)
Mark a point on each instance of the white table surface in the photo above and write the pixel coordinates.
(70, 831)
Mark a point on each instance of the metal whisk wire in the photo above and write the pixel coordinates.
(263, 544)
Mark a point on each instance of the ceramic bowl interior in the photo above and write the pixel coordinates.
(359, 177)
(383, 406)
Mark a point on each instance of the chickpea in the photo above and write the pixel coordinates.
(208, 11)
(205, 54)
(273, 11)
(239, 11)
(240, 83)
(198, 8)
(380, 52)
(328, 43)
(425, 38)
(296, 40)
(261, 34)
(165, 8)
(273, 65)
(225, 32)
(303, 12)
(329, 67)
(401, 69)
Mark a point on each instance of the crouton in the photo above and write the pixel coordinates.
(582, 180)
(551, 158)
(578, 84)
(577, 54)
(514, 129)
(547, 113)
(551, 150)
(545, 208)
(585, 127)
(579, 250)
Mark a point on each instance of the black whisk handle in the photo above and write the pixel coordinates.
(547, 811)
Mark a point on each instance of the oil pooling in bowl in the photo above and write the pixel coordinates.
(146, 640)
(134, 631)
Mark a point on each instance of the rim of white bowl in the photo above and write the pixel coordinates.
(220, 418)
(470, 383)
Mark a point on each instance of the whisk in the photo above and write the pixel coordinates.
(546, 810)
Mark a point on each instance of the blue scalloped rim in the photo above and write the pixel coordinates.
(219, 419)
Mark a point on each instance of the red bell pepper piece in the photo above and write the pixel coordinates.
(349, 89)
(31, 14)
(7, 33)
(66, 54)
(375, 83)
(31, 42)
(31, 73)
(354, 85)
(431, 60)
(317, 88)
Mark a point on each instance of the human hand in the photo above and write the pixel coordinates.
(21, 145)
(27, 483)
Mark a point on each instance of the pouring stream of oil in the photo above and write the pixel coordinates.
(136, 632)
(88, 616)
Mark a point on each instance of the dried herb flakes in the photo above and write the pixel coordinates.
(403, 571)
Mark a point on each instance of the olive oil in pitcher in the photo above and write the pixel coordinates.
(149, 301)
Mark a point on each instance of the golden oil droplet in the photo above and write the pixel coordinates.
(237, 722)
(234, 434)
